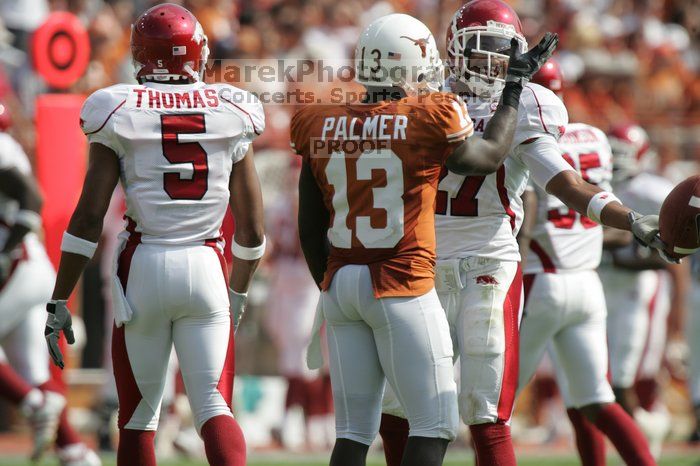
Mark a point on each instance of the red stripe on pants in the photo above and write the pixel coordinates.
(511, 315)
(225, 385)
(127, 389)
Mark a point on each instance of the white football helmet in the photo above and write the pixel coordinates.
(398, 50)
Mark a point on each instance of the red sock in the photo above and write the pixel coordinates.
(296, 392)
(136, 448)
(66, 434)
(647, 393)
(590, 442)
(12, 386)
(629, 441)
(493, 445)
(224, 442)
(394, 432)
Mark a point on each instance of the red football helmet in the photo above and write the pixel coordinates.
(478, 44)
(629, 144)
(549, 76)
(168, 43)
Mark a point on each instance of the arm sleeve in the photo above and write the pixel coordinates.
(543, 157)
(96, 116)
(298, 133)
(450, 116)
(541, 113)
(253, 115)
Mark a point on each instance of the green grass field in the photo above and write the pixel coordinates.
(674, 459)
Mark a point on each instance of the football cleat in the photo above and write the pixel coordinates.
(78, 454)
(43, 420)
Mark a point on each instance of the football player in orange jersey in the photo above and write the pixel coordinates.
(369, 184)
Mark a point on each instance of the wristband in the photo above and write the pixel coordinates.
(76, 245)
(246, 253)
(598, 203)
(511, 94)
(28, 219)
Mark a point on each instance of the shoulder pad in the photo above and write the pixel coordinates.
(99, 107)
(299, 129)
(244, 102)
(540, 113)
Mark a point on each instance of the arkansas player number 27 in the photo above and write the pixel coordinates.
(387, 199)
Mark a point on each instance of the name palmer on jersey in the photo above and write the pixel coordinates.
(481, 215)
(176, 145)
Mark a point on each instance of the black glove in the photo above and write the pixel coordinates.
(522, 66)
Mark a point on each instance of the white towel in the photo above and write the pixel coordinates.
(120, 306)
(314, 355)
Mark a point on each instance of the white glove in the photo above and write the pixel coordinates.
(645, 229)
(238, 304)
(58, 319)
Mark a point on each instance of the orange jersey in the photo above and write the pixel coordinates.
(378, 167)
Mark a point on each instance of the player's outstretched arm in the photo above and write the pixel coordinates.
(80, 241)
(249, 240)
(482, 156)
(313, 224)
(24, 190)
(604, 208)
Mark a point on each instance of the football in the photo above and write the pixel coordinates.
(679, 220)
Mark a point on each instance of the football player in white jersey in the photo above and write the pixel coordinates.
(564, 305)
(182, 149)
(639, 288)
(26, 277)
(478, 276)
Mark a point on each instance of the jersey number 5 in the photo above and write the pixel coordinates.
(177, 187)
(387, 198)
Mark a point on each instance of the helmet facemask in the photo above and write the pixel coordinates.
(479, 57)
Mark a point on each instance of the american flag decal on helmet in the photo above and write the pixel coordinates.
(394, 56)
(179, 50)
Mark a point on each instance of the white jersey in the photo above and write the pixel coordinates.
(176, 146)
(481, 215)
(563, 239)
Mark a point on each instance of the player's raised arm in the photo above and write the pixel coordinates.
(80, 242)
(482, 156)
(313, 224)
(249, 239)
